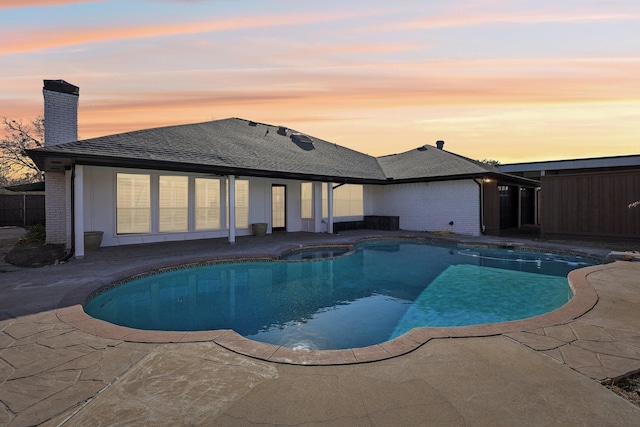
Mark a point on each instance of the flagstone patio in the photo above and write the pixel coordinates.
(54, 373)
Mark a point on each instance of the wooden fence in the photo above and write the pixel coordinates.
(21, 210)
(591, 205)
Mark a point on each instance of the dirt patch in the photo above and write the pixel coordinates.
(628, 387)
(34, 254)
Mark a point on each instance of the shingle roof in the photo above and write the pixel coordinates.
(229, 144)
(244, 147)
(429, 162)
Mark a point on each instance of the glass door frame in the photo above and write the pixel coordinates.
(284, 207)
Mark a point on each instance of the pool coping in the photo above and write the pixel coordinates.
(71, 312)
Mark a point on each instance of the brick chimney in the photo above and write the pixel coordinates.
(60, 112)
(439, 144)
(60, 126)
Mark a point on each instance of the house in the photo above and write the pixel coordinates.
(585, 198)
(216, 179)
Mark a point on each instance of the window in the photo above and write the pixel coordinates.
(306, 200)
(348, 201)
(154, 203)
(242, 203)
(133, 203)
(207, 204)
(325, 199)
(173, 203)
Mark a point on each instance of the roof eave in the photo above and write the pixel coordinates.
(52, 161)
(61, 161)
(502, 177)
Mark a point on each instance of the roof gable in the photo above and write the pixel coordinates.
(429, 162)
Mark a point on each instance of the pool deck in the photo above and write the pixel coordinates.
(58, 368)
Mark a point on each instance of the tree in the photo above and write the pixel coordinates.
(16, 167)
(490, 162)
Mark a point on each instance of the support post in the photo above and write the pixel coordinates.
(232, 209)
(78, 211)
(330, 207)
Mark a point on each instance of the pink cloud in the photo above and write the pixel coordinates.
(11, 4)
(21, 41)
(463, 20)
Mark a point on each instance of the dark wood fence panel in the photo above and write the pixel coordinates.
(21, 209)
(491, 211)
(591, 205)
(34, 209)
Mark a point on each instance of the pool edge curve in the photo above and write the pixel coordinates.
(584, 299)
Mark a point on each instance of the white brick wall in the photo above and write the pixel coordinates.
(60, 117)
(428, 206)
(55, 208)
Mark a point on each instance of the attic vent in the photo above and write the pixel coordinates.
(254, 124)
(301, 138)
(282, 130)
(423, 148)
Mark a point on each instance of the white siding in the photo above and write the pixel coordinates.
(428, 206)
(100, 213)
(421, 207)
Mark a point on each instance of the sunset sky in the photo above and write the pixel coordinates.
(509, 80)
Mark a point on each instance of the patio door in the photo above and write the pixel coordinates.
(278, 207)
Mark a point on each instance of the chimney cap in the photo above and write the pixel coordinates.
(440, 144)
(61, 86)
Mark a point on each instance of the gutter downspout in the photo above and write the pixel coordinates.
(73, 216)
(481, 188)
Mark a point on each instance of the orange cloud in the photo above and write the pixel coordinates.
(463, 20)
(23, 41)
(392, 86)
(560, 106)
(352, 96)
(11, 4)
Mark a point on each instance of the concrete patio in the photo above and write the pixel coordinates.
(53, 373)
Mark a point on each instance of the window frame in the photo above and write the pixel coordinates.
(154, 203)
(306, 204)
(172, 211)
(217, 205)
(354, 206)
(149, 207)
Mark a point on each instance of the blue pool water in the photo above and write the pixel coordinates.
(380, 291)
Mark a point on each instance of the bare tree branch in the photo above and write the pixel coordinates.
(15, 165)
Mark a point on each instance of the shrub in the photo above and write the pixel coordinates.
(35, 233)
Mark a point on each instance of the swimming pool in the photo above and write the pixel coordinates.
(373, 294)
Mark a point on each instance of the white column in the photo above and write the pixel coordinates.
(68, 197)
(317, 206)
(330, 207)
(78, 211)
(232, 209)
